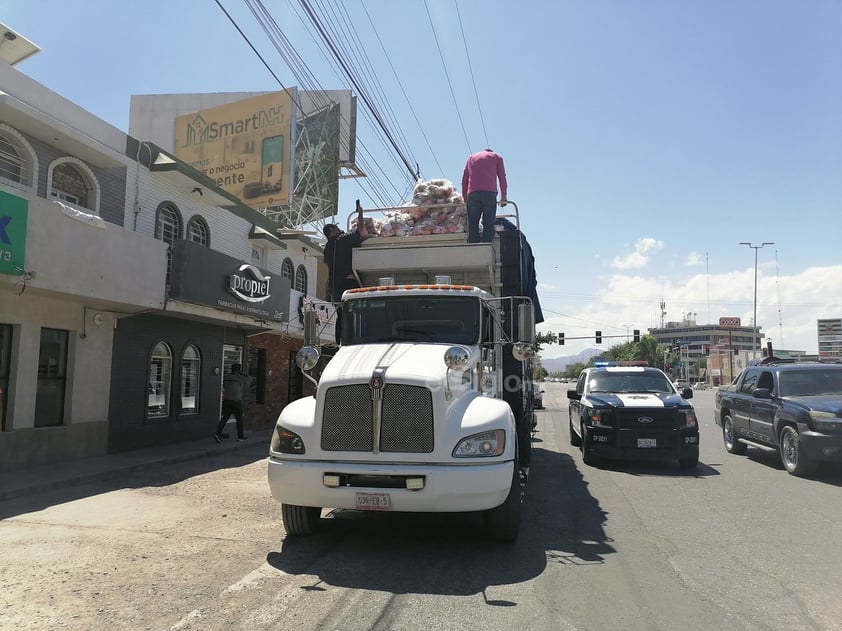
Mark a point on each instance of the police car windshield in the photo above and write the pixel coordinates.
(630, 382)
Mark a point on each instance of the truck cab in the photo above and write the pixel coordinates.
(426, 405)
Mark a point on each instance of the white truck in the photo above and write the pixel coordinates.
(427, 404)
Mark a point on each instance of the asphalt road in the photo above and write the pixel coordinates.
(737, 544)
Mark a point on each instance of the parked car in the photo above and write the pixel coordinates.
(537, 396)
(792, 408)
(700, 385)
(632, 413)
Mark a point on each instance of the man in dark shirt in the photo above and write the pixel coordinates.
(338, 253)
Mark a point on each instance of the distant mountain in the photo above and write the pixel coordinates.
(558, 364)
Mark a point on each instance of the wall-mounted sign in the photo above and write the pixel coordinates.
(249, 284)
(207, 277)
(14, 212)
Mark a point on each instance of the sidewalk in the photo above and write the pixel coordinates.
(64, 474)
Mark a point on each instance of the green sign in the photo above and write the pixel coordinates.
(13, 215)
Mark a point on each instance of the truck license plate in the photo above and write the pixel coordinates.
(374, 501)
(647, 442)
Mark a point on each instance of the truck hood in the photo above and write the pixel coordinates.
(407, 362)
(821, 403)
(636, 400)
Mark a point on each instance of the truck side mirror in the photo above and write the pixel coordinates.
(526, 323)
(311, 328)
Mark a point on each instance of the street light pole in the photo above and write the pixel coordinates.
(754, 322)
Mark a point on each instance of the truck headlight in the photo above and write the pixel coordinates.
(491, 443)
(599, 418)
(826, 421)
(287, 442)
(689, 418)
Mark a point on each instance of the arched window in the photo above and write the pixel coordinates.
(191, 371)
(197, 231)
(18, 162)
(287, 270)
(168, 223)
(71, 181)
(301, 279)
(159, 382)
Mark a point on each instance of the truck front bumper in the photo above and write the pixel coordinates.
(446, 488)
(821, 446)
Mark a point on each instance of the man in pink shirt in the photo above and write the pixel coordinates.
(479, 190)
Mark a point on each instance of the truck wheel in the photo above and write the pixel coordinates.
(587, 450)
(729, 438)
(792, 453)
(575, 439)
(502, 523)
(300, 520)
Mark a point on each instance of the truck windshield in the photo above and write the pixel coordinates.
(805, 383)
(446, 320)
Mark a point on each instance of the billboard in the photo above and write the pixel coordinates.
(244, 146)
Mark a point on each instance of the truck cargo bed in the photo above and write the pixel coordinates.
(418, 259)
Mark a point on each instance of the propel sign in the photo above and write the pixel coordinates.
(249, 285)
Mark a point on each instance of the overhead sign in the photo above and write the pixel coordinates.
(727, 322)
(14, 213)
(245, 147)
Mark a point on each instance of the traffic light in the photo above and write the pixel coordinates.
(636, 336)
(599, 337)
(561, 338)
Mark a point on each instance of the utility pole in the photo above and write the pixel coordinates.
(754, 322)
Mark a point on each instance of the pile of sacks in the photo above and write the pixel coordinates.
(431, 211)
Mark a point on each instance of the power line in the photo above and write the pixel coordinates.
(471, 68)
(313, 18)
(403, 91)
(446, 74)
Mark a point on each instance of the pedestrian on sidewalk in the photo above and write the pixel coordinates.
(233, 389)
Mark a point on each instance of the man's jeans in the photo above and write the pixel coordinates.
(481, 204)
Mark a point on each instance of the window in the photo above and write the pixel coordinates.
(52, 377)
(168, 230)
(71, 181)
(158, 383)
(301, 279)
(191, 370)
(168, 224)
(287, 270)
(258, 256)
(18, 164)
(11, 164)
(197, 231)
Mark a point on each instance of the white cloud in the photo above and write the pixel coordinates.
(694, 259)
(787, 306)
(640, 257)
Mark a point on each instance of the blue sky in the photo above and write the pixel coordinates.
(643, 139)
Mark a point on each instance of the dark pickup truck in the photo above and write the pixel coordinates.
(792, 408)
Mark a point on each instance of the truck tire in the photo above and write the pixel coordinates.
(792, 453)
(300, 520)
(575, 439)
(729, 438)
(587, 451)
(502, 523)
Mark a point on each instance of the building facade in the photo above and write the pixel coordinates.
(129, 283)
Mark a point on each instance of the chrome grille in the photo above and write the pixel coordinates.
(407, 419)
(346, 424)
(406, 426)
